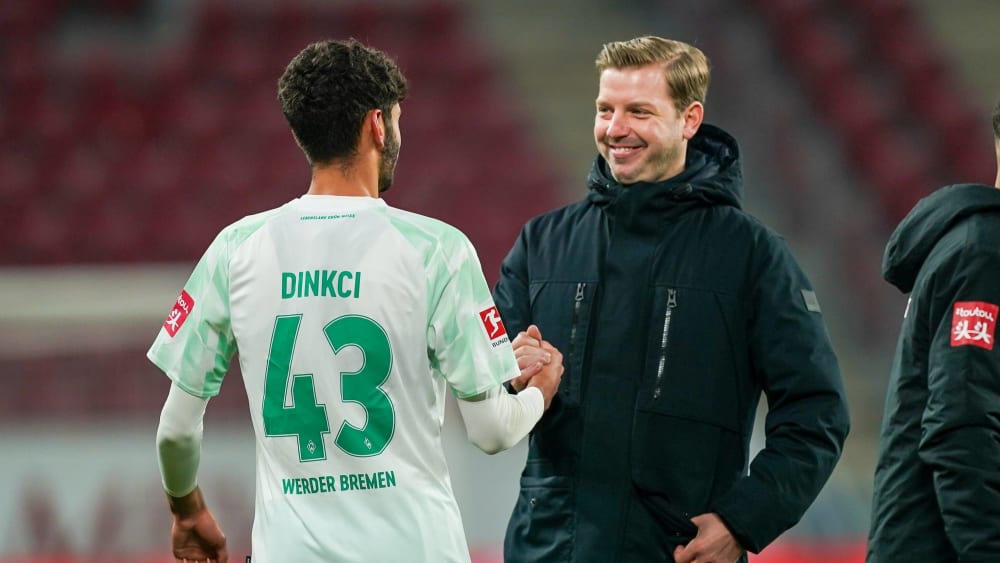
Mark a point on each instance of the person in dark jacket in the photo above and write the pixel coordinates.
(937, 479)
(674, 309)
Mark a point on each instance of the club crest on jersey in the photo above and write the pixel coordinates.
(974, 323)
(176, 317)
(493, 324)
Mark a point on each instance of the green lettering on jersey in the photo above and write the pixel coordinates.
(320, 283)
(340, 284)
(287, 285)
(328, 289)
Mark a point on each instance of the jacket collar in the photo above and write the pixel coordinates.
(712, 176)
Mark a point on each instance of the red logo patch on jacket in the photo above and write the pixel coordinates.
(974, 323)
(182, 308)
(492, 323)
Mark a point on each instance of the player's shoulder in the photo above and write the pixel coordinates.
(422, 230)
(238, 231)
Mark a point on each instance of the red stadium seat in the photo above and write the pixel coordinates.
(197, 128)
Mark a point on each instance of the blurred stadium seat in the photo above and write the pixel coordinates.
(871, 67)
(152, 158)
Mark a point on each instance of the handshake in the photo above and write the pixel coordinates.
(540, 364)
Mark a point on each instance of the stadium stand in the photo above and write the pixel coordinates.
(871, 66)
(150, 158)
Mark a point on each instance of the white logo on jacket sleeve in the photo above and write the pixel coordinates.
(974, 323)
(493, 323)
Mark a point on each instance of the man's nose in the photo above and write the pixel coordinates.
(618, 126)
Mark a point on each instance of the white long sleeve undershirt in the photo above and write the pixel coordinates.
(178, 440)
(500, 420)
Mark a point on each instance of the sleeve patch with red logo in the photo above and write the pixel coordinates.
(974, 323)
(177, 316)
(492, 323)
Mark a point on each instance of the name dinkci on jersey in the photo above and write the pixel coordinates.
(320, 283)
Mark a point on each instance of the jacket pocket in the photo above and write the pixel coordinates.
(541, 527)
(683, 465)
(692, 368)
(562, 311)
(676, 526)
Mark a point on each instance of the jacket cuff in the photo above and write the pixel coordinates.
(742, 535)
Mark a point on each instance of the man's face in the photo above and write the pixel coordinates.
(390, 152)
(637, 128)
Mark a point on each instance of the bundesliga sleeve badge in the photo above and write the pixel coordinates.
(493, 324)
(974, 323)
(177, 316)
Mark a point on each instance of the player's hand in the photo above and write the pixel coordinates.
(548, 377)
(714, 543)
(530, 354)
(195, 534)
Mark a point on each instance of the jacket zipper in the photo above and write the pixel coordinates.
(664, 340)
(577, 305)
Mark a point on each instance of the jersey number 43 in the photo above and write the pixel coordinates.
(306, 418)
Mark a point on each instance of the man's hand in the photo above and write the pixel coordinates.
(545, 375)
(713, 544)
(195, 534)
(530, 354)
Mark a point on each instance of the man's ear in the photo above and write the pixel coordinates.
(376, 122)
(693, 116)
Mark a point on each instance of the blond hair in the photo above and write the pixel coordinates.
(685, 66)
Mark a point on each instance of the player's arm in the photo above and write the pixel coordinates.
(178, 440)
(497, 420)
(195, 534)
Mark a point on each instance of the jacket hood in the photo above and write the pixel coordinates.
(929, 220)
(712, 175)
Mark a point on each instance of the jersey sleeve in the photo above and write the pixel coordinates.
(468, 343)
(195, 345)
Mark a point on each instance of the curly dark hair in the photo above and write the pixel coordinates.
(327, 89)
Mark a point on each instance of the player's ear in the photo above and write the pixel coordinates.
(376, 121)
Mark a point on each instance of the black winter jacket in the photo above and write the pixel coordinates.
(673, 309)
(937, 479)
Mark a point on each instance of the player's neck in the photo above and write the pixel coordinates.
(344, 181)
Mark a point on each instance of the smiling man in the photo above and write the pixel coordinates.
(674, 310)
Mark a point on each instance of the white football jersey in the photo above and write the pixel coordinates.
(351, 319)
